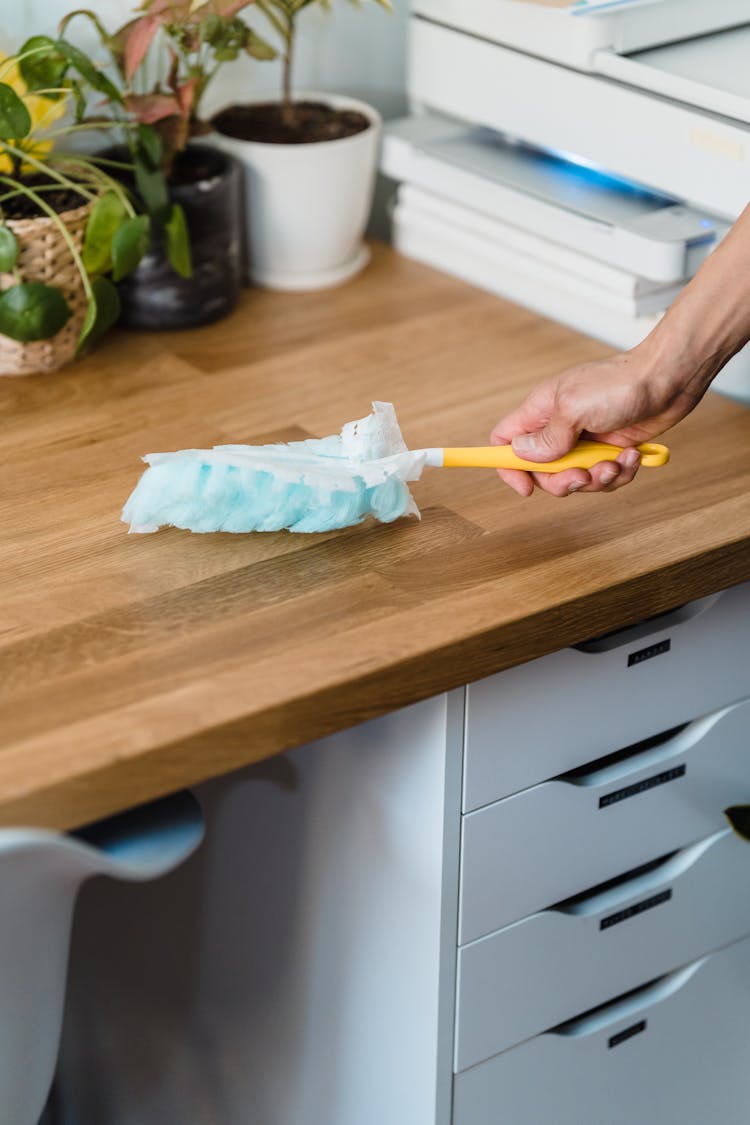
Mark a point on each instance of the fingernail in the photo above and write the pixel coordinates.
(526, 443)
(631, 458)
(608, 475)
(575, 486)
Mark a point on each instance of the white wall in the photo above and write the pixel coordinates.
(359, 51)
(353, 50)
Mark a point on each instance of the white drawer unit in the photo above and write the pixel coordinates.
(676, 1052)
(542, 845)
(415, 961)
(538, 972)
(554, 714)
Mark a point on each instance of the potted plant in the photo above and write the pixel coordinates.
(163, 60)
(65, 223)
(310, 167)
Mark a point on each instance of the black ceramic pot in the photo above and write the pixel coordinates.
(154, 296)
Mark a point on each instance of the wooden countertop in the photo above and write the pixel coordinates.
(134, 665)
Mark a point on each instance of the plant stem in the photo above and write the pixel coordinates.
(273, 19)
(105, 39)
(125, 165)
(20, 191)
(98, 176)
(19, 158)
(82, 126)
(287, 105)
(283, 22)
(48, 91)
(14, 60)
(63, 26)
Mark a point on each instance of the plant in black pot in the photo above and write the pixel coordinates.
(310, 165)
(163, 60)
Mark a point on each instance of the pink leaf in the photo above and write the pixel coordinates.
(148, 108)
(138, 39)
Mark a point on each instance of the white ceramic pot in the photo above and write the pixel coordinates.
(307, 205)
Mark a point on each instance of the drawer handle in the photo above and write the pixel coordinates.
(659, 623)
(654, 751)
(623, 1007)
(653, 884)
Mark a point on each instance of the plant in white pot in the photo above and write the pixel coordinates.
(310, 166)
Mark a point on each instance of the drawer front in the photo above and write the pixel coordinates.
(538, 972)
(549, 716)
(677, 1051)
(543, 845)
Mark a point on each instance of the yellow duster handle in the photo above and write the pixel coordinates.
(583, 456)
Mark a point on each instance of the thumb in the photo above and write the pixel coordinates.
(547, 444)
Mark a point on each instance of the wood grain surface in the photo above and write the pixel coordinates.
(133, 665)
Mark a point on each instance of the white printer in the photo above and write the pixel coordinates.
(579, 158)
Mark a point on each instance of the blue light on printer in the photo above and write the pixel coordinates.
(576, 169)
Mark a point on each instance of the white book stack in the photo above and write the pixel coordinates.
(600, 300)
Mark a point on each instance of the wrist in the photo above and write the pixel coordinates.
(679, 358)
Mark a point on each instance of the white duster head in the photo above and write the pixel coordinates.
(314, 485)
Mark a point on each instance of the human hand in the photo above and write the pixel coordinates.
(624, 399)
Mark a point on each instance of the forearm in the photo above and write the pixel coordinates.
(633, 396)
(709, 322)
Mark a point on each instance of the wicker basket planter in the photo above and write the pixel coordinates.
(45, 256)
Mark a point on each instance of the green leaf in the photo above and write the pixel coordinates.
(739, 818)
(80, 100)
(149, 142)
(211, 28)
(8, 250)
(32, 311)
(152, 187)
(106, 215)
(44, 68)
(258, 48)
(102, 313)
(178, 242)
(150, 177)
(15, 120)
(130, 243)
(83, 64)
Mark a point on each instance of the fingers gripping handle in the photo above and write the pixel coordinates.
(584, 455)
